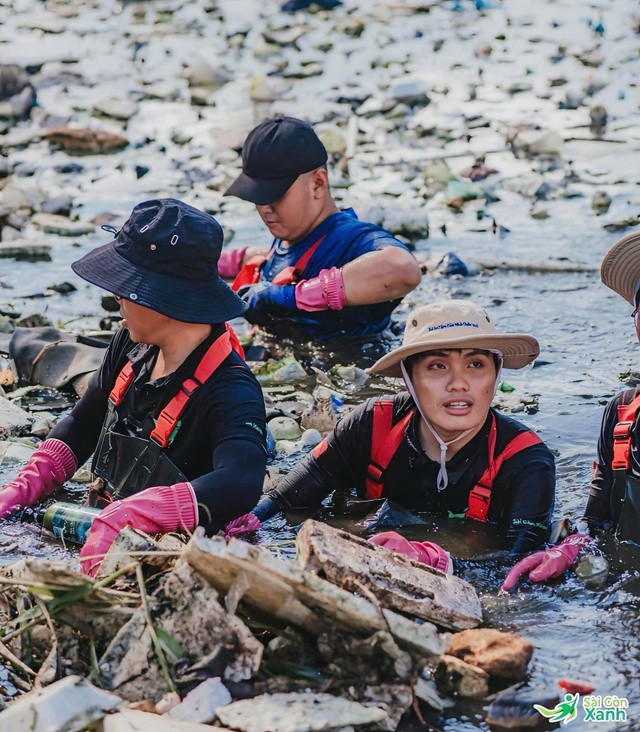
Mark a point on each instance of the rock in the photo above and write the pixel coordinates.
(54, 224)
(13, 420)
(311, 438)
(85, 140)
(411, 222)
(505, 655)
(411, 91)
(546, 143)
(122, 109)
(457, 678)
(23, 249)
(284, 428)
(134, 720)
(222, 646)
(72, 705)
(17, 95)
(15, 452)
(397, 582)
(297, 713)
(426, 691)
(168, 702)
(513, 710)
(59, 205)
(201, 704)
(600, 201)
(598, 116)
(333, 138)
(206, 73)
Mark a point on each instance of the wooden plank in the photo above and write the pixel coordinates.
(282, 590)
(397, 582)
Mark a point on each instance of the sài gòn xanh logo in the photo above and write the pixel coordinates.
(596, 709)
(564, 712)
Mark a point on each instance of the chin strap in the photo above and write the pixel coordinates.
(443, 478)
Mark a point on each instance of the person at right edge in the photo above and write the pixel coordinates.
(438, 447)
(613, 504)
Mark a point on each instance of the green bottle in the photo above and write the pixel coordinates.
(69, 521)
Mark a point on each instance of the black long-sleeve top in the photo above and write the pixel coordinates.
(220, 442)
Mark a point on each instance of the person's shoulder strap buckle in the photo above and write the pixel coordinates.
(122, 383)
(292, 275)
(622, 435)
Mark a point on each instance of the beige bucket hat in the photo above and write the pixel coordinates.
(456, 324)
(620, 268)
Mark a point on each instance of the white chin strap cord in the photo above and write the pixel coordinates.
(443, 478)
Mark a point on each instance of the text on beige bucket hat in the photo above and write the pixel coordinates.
(456, 324)
(620, 268)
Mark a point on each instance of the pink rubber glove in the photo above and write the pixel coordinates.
(230, 262)
(157, 510)
(421, 551)
(246, 524)
(324, 292)
(48, 468)
(548, 564)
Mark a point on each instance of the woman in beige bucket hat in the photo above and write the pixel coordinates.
(439, 446)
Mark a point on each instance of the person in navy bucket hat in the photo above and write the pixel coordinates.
(174, 418)
(165, 258)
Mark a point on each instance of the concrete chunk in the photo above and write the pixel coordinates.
(297, 713)
(397, 582)
(69, 705)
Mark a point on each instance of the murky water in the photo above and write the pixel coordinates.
(586, 335)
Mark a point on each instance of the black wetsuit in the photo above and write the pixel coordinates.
(523, 490)
(220, 441)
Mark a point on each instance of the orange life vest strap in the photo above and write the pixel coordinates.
(234, 342)
(250, 272)
(170, 415)
(627, 414)
(385, 440)
(480, 495)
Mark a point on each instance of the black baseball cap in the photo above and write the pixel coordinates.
(165, 258)
(274, 154)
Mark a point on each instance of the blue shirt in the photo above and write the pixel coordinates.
(345, 239)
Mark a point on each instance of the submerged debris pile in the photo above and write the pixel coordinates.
(354, 636)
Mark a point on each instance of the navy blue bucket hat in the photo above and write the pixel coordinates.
(165, 258)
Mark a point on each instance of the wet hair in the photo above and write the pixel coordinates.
(411, 361)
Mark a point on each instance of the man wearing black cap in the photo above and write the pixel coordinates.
(174, 418)
(326, 272)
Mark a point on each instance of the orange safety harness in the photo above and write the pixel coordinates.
(622, 434)
(170, 415)
(250, 272)
(386, 438)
